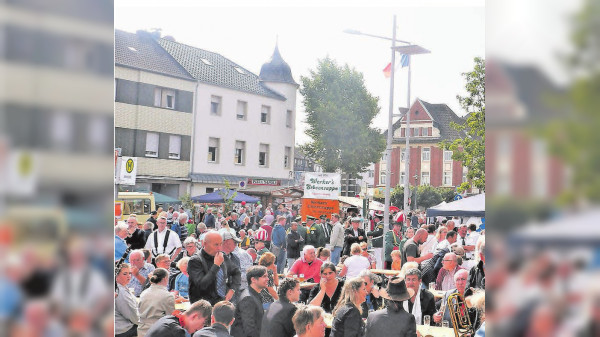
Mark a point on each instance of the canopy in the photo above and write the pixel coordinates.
(471, 206)
(576, 229)
(358, 202)
(216, 197)
(164, 199)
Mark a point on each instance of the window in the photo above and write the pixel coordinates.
(447, 155)
(213, 150)
(265, 114)
(210, 189)
(371, 173)
(62, 129)
(242, 109)
(164, 98)
(174, 147)
(447, 178)
(263, 155)
(205, 61)
(151, 144)
(136, 206)
(382, 178)
(402, 154)
(239, 70)
(240, 152)
(98, 131)
(286, 157)
(464, 177)
(402, 177)
(426, 154)
(215, 105)
(425, 178)
(384, 156)
(288, 118)
(423, 131)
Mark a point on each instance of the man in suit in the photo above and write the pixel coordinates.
(249, 311)
(422, 302)
(221, 319)
(377, 240)
(393, 320)
(352, 235)
(277, 321)
(212, 275)
(326, 231)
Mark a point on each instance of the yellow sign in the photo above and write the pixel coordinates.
(129, 165)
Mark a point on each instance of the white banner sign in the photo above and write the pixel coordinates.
(322, 185)
(127, 171)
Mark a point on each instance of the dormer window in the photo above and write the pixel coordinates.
(205, 61)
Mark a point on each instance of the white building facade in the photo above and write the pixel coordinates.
(243, 126)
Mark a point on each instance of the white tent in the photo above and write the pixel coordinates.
(467, 207)
(578, 228)
(358, 202)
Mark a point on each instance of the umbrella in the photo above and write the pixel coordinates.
(216, 197)
(394, 209)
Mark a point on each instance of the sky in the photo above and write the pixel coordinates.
(246, 32)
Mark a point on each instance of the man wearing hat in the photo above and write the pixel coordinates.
(352, 235)
(153, 217)
(326, 231)
(314, 232)
(301, 230)
(393, 320)
(393, 241)
(377, 239)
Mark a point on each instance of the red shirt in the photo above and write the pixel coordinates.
(310, 271)
(269, 229)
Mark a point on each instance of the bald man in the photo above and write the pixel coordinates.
(213, 276)
(460, 279)
(410, 250)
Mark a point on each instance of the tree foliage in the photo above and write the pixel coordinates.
(575, 138)
(470, 150)
(339, 112)
(228, 204)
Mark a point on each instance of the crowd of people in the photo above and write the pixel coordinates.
(265, 272)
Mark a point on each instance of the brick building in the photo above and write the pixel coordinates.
(429, 163)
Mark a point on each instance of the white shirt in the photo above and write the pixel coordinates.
(429, 245)
(172, 244)
(355, 264)
(471, 240)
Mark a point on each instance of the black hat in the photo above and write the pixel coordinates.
(396, 290)
(310, 217)
(153, 213)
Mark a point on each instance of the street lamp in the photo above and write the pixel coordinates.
(409, 49)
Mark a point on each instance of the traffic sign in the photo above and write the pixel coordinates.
(458, 197)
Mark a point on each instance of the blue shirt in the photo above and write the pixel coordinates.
(182, 285)
(120, 248)
(278, 236)
(12, 298)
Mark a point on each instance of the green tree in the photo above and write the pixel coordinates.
(575, 138)
(228, 201)
(187, 203)
(428, 196)
(470, 150)
(339, 112)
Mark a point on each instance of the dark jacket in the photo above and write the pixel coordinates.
(386, 322)
(427, 304)
(377, 235)
(203, 277)
(293, 247)
(349, 239)
(167, 326)
(248, 315)
(209, 220)
(377, 304)
(277, 321)
(392, 240)
(476, 277)
(137, 240)
(347, 322)
(216, 330)
(183, 232)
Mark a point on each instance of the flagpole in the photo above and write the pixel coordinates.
(407, 148)
(388, 160)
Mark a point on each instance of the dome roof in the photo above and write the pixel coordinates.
(276, 70)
